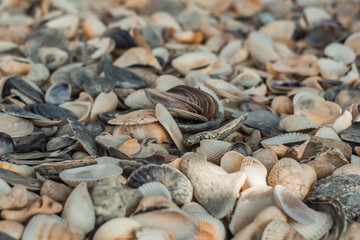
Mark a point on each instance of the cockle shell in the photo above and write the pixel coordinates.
(117, 228)
(213, 149)
(208, 226)
(295, 123)
(255, 172)
(154, 188)
(278, 229)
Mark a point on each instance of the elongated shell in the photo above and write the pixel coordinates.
(42, 227)
(194, 61)
(79, 210)
(14, 126)
(21, 169)
(255, 172)
(117, 228)
(353, 168)
(214, 150)
(90, 174)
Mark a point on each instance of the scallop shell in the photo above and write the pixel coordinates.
(117, 228)
(146, 233)
(42, 227)
(255, 172)
(79, 210)
(214, 150)
(295, 123)
(90, 174)
(340, 53)
(353, 168)
(288, 173)
(194, 61)
(130, 147)
(323, 223)
(177, 183)
(231, 161)
(279, 230)
(14, 126)
(143, 116)
(292, 206)
(208, 227)
(12, 228)
(288, 145)
(154, 188)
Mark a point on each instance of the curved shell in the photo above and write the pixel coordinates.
(12, 228)
(330, 69)
(143, 116)
(231, 161)
(155, 188)
(177, 183)
(90, 174)
(137, 56)
(304, 65)
(288, 145)
(42, 227)
(104, 102)
(267, 157)
(340, 53)
(58, 93)
(130, 147)
(81, 109)
(255, 172)
(147, 233)
(208, 227)
(326, 132)
(117, 228)
(214, 150)
(194, 61)
(14, 126)
(288, 173)
(79, 210)
(353, 168)
(295, 123)
(21, 169)
(277, 229)
(262, 47)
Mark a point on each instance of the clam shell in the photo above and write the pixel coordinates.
(92, 26)
(194, 61)
(68, 23)
(323, 223)
(331, 69)
(117, 228)
(277, 229)
(295, 123)
(42, 227)
(79, 210)
(231, 161)
(343, 122)
(340, 53)
(208, 227)
(255, 172)
(146, 233)
(137, 56)
(104, 102)
(326, 132)
(154, 188)
(288, 145)
(353, 168)
(261, 47)
(292, 206)
(177, 183)
(12, 228)
(353, 42)
(90, 174)
(288, 173)
(14, 126)
(304, 65)
(130, 147)
(58, 93)
(214, 150)
(142, 116)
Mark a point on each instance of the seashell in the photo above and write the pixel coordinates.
(130, 147)
(14, 126)
(255, 172)
(117, 228)
(12, 228)
(59, 143)
(331, 69)
(68, 23)
(234, 52)
(292, 206)
(280, 29)
(353, 168)
(310, 176)
(138, 99)
(58, 93)
(97, 85)
(104, 102)
(288, 173)
(42, 227)
(124, 78)
(278, 229)
(103, 45)
(343, 122)
(4, 187)
(326, 132)
(340, 53)
(40, 205)
(164, 19)
(166, 82)
(20, 169)
(270, 127)
(231, 161)
(14, 178)
(92, 26)
(193, 207)
(353, 42)
(50, 111)
(251, 202)
(323, 223)
(267, 157)
(146, 233)
(261, 47)
(79, 210)
(155, 188)
(256, 227)
(168, 122)
(15, 66)
(137, 56)
(282, 105)
(225, 89)
(90, 174)
(207, 183)
(303, 65)
(142, 116)
(352, 230)
(51, 57)
(56, 191)
(295, 123)
(288, 145)
(313, 15)
(214, 150)
(194, 61)
(352, 76)
(16, 198)
(189, 37)
(208, 226)
(176, 182)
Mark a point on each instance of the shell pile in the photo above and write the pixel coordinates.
(179, 119)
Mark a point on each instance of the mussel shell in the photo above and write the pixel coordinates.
(58, 93)
(121, 37)
(6, 144)
(124, 78)
(51, 111)
(35, 141)
(267, 122)
(95, 86)
(59, 143)
(24, 87)
(14, 178)
(80, 75)
(323, 33)
(129, 166)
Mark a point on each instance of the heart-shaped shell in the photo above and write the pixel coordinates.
(79, 210)
(90, 174)
(117, 228)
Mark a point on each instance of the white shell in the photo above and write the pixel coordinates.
(214, 150)
(79, 210)
(154, 188)
(340, 53)
(12, 228)
(117, 228)
(194, 60)
(255, 172)
(326, 132)
(208, 226)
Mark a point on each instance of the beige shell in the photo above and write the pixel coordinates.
(42, 227)
(322, 168)
(154, 188)
(194, 61)
(267, 157)
(117, 228)
(15, 65)
(56, 191)
(330, 69)
(262, 47)
(165, 82)
(295, 123)
(353, 42)
(225, 89)
(288, 145)
(304, 65)
(342, 122)
(81, 109)
(313, 15)
(16, 198)
(288, 173)
(104, 102)
(147, 233)
(353, 168)
(138, 99)
(352, 231)
(142, 116)
(326, 132)
(165, 19)
(14, 126)
(310, 176)
(279, 230)
(130, 147)
(79, 210)
(282, 105)
(255, 172)
(251, 202)
(137, 56)
(103, 45)
(254, 229)
(93, 26)
(68, 23)
(279, 29)
(12, 228)
(234, 52)
(214, 150)
(208, 226)
(231, 161)
(351, 76)
(340, 53)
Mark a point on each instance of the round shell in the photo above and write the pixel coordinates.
(214, 150)
(340, 53)
(118, 228)
(177, 183)
(90, 174)
(14, 126)
(208, 227)
(154, 188)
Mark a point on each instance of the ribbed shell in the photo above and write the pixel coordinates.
(255, 172)
(213, 149)
(208, 227)
(147, 233)
(117, 228)
(154, 188)
(279, 230)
